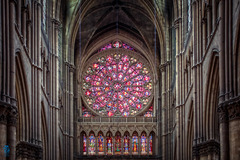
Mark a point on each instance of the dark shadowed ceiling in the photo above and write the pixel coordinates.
(112, 16)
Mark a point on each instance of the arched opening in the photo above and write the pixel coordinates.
(144, 143)
(118, 143)
(83, 143)
(44, 133)
(126, 143)
(92, 144)
(152, 143)
(100, 143)
(109, 143)
(135, 143)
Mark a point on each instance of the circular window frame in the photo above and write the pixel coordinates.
(94, 58)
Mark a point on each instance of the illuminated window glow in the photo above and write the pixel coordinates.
(135, 144)
(117, 85)
(118, 144)
(100, 144)
(116, 44)
(150, 145)
(84, 144)
(126, 147)
(91, 148)
(143, 144)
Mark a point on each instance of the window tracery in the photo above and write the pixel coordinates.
(117, 83)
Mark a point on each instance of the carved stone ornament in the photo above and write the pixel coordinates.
(229, 110)
(28, 150)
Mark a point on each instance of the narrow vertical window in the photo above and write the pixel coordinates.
(118, 144)
(109, 144)
(143, 144)
(100, 144)
(150, 145)
(135, 144)
(84, 145)
(91, 148)
(126, 145)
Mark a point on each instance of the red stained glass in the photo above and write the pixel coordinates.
(115, 85)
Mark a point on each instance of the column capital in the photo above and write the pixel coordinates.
(177, 22)
(72, 68)
(163, 67)
(204, 148)
(12, 115)
(204, 20)
(28, 150)
(229, 110)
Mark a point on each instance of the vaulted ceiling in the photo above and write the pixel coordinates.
(130, 16)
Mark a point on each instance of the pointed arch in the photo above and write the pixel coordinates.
(211, 103)
(22, 95)
(44, 130)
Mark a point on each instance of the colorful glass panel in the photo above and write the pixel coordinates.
(135, 144)
(126, 147)
(149, 113)
(116, 44)
(100, 144)
(84, 144)
(143, 144)
(150, 145)
(91, 148)
(117, 85)
(118, 144)
(109, 145)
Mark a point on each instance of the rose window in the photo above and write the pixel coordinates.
(117, 84)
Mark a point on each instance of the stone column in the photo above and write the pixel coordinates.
(209, 21)
(122, 144)
(130, 145)
(104, 145)
(11, 132)
(234, 128)
(223, 115)
(3, 131)
(87, 143)
(214, 13)
(164, 112)
(96, 143)
(113, 145)
(148, 139)
(24, 22)
(139, 145)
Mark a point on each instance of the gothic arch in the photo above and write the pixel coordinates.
(190, 132)
(211, 103)
(154, 147)
(22, 95)
(44, 131)
(236, 56)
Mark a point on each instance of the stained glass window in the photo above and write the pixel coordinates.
(91, 148)
(86, 113)
(135, 144)
(116, 44)
(126, 147)
(143, 144)
(84, 144)
(117, 84)
(109, 144)
(149, 113)
(118, 144)
(150, 144)
(100, 144)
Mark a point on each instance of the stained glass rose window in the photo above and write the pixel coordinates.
(117, 84)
